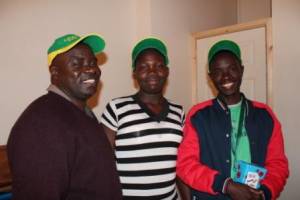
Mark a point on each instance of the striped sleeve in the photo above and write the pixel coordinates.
(182, 117)
(109, 116)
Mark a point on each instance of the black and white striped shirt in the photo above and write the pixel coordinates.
(146, 147)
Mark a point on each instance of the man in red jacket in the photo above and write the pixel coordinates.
(227, 129)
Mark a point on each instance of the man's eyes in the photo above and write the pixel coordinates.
(74, 63)
(93, 64)
(144, 66)
(216, 71)
(161, 65)
(81, 63)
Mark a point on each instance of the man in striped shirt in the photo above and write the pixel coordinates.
(145, 128)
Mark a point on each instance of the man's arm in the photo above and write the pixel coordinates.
(276, 163)
(184, 190)
(110, 134)
(190, 169)
(38, 161)
(110, 122)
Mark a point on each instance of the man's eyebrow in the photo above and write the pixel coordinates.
(76, 57)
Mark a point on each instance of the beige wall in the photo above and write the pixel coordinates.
(286, 29)
(174, 21)
(29, 27)
(250, 10)
(27, 30)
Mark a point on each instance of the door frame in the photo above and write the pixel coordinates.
(266, 23)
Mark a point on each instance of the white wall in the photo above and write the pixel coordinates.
(29, 27)
(174, 21)
(253, 10)
(286, 29)
(27, 30)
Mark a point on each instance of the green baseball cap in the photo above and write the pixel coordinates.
(224, 45)
(66, 42)
(149, 43)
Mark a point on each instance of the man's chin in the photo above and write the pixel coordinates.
(90, 91)
(87, 94)
(154, 92)
(229, 92)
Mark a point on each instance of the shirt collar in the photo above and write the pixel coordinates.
(56, 90)
(224, 106)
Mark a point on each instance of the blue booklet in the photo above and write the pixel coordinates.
(249, 174)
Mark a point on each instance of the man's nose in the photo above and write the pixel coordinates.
(92, 69)
(152, 68)
(226, 74)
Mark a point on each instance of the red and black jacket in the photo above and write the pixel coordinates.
(204, 156)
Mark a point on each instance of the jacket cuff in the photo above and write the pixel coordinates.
(267, 192)
(219, 183)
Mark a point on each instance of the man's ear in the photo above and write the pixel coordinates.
(168, 71)
(242, 67)
(209, 72)
(134, 74)
(135, 82)
(54, 72)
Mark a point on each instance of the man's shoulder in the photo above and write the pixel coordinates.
(38, 104)
(258, 104)
(44, 108)
(38, 117)
(121, 101)
(263, 109)
(200, 106)
(174, 104)
(47, 102)
(123, 98)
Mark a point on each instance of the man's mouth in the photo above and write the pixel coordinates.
(227, 85)
(152, 80)
(89, 81)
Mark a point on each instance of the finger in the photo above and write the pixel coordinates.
(259, 196)
(262, 196)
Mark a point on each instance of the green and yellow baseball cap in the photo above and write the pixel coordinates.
(224, 45)
(149, 43)
(66, 42)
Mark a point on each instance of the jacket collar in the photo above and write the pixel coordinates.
(220, 101)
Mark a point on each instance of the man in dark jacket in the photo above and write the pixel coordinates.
(227, 129)
(57, 150)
